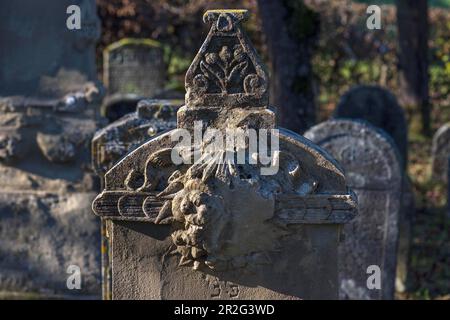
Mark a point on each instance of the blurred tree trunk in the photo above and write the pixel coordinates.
(291, 30)
(412, 24)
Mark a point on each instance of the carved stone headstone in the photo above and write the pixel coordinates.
(134, 66)
(221, 223)
(46, 184)
(440, 153)
(120, 137)
(379, 107)
(372, 169)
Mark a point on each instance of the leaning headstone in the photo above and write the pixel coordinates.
(379, 107)
(206, 228)
(46, 184)
(372, 169)
(119, 138)
(440, 152)
(134, 66)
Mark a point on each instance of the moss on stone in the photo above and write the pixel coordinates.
(133, 41)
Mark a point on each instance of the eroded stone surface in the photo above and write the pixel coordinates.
(48, 110)
(373, 171)
(46, 191)
(42, 234)
(204, 229)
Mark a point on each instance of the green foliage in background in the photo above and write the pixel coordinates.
(433, 3)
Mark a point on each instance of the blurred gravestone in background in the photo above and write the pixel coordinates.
(379, 107)
(119, 138)
(134, 66)
(373, 171)
(440, 152)
(405, 224)
(46, 184)
(125, 134)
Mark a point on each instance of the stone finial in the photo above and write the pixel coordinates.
(226, 84)
(227, 71)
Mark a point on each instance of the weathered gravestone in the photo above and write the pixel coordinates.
(133, 69)
(206, 228)
(134, 66)
(379, 107)
(372, 169)
(448, 188)
(46, 185)
(120, 137)
(440, 153)
(405, 223)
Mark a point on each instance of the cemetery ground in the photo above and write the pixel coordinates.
(430, 253)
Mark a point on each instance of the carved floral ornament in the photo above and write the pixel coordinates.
(222, 214)
(227, 70)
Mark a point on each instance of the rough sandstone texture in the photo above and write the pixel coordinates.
(379, 107)
(372, 168)
(133, 70)
(48, 107)
(152, 117)
(207, 229)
